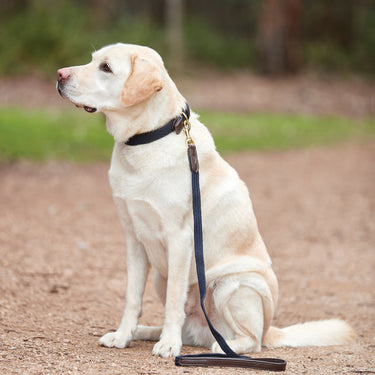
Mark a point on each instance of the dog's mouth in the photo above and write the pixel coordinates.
(60, 89)
(86, 108)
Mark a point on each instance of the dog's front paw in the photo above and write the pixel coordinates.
(167, 348)
(115, 340)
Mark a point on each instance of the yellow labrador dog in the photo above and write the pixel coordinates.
(152, 190)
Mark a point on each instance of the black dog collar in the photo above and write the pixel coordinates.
(175, 124)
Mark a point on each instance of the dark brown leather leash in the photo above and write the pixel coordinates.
(230, 358)
(222, 360)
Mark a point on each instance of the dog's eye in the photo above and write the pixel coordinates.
(105, 68)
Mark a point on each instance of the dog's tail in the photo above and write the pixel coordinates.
(318, 333)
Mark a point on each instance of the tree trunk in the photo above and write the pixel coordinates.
(174, 20)
(279, 36)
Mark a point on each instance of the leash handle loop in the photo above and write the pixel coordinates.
(222, 360)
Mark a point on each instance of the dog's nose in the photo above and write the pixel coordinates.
(63, 74)
(62, 77)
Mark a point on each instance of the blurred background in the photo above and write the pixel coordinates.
(269, 37)
(311, 57)
(286, 88)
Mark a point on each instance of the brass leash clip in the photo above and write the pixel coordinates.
(187, 126)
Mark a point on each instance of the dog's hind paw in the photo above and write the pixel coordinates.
(115, 340)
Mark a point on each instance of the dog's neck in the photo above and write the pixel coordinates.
(149, 115)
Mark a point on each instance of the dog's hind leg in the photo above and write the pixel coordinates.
(240, 305)
(147, 333)
(245, 322)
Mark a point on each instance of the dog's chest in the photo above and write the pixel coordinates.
(148, 212)
(143, 221)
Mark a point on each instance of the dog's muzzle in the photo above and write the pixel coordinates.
(60, 86)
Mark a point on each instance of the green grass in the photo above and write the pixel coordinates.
(77, 136)
(259, 131)
(44, 135)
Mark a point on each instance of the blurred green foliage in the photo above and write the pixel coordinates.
(41, 35)
(339, 36)
(206, 45)
(49, 35)
(74, 135)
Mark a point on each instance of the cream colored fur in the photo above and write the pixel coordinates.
(152, 190)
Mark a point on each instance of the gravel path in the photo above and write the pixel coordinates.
(62, 263)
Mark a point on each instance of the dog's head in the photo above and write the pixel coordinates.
(119, 76)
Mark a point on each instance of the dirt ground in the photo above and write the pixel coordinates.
(62, 257)
(240, 91)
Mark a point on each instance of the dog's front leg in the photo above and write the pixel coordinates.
(137, 271)
(179, 260)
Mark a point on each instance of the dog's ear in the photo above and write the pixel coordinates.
(144, 80)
